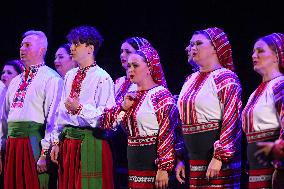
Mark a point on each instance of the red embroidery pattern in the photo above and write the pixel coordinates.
(132, 113)
(26, 80)
(229, 95)
(168, 120)
(76, 86)
(248, 110)
(187, 103)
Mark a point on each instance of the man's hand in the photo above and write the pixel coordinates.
(41, 164)
(54, 154)
(72, 104)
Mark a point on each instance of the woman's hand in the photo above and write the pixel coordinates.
(180, 171)
(278, 150)
(214, 168)
(162, 179)
(263, 153)
(128, 101)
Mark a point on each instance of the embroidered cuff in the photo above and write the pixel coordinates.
(164, 164)
(166, 167)
(55, 143)
(217, 157)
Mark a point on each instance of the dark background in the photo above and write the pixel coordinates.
(168, 25)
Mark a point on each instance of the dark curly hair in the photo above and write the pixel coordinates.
(86, 34)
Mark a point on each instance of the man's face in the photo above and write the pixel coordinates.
(31, 51)
(80, 52)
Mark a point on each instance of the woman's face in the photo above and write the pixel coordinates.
(189, 58)
(263, 57)
(201, 49)
(63, 62)
(188, 52)
(125, 50)
(137, 69)
(8, 74)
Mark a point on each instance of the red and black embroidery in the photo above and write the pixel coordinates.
(26, 79)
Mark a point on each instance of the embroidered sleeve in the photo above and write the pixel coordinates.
(104, 99)
(53, 91)
(229, 142)
(111, 118)
(278, 91)
(168, 119)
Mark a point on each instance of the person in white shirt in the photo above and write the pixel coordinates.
(31, 102)
(210, 105)
(85, 155)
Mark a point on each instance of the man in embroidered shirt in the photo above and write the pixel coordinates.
(31, 102)
(86, 159)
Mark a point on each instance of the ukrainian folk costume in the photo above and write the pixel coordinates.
(31, 103)
(263, 119)
(86, 159)
(210, 106)
(150, 125)
(122, 86)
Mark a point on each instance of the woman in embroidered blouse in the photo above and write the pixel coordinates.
(149, 117)
(263, 114)
(210, 105)
(123, 85)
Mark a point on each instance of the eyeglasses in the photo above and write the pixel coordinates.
(197, 43)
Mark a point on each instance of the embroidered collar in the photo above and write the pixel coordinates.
(87, 67)
(35, 67)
